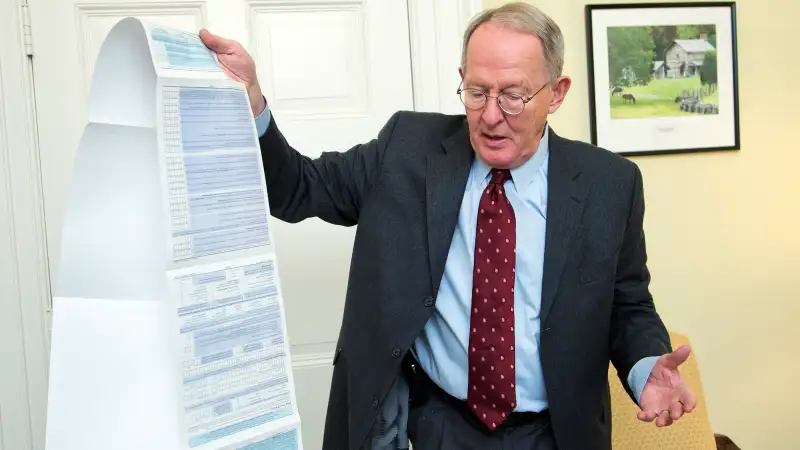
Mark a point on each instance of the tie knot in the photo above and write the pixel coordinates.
(500, 176)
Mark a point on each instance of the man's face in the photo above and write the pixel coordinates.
(503, 60)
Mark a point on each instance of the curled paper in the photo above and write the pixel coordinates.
(168, 323)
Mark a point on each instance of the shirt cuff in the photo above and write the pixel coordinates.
(637, 377)
(262, 120)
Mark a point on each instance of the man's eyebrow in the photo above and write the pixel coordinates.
(485, 86)
(476, 84)
(515, 86)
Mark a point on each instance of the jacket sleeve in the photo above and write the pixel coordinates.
(637, 331)
(331, 187)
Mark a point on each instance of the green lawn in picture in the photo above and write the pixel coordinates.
(666, 87)
(656, 99)
(644, 108)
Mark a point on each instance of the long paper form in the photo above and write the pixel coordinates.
(168, 324)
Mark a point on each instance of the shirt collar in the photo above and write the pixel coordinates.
(521, 176)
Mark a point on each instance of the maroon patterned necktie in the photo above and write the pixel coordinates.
(492, 394)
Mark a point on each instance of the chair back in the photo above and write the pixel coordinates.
(692, 431)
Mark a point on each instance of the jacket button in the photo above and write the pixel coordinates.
(429, 301)
(374, 403)
(396, 353)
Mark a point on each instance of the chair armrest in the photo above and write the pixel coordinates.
(725, 443)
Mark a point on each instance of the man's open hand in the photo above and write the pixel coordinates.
(237, 64)
(665, 397)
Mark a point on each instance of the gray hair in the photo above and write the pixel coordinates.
(528, 19)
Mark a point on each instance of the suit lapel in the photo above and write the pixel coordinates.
(446, 177)
(565, 201)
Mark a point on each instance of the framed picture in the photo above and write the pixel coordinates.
(663, 77)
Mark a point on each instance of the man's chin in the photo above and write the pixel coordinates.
(498, 158)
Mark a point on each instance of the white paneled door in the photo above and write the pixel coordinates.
(333, 72)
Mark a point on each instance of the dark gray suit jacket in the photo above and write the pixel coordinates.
(403, 191)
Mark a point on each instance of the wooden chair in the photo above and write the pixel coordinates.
(692, 432)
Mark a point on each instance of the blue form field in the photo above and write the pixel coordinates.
(279, 444)
(215, 119)
(184, 50)
(287, 440)
(218, 200)
(235, 312)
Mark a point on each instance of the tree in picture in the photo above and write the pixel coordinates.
(662, 71)
(630, 54)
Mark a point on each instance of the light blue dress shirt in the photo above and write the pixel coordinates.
(262, 121)
(442, 347)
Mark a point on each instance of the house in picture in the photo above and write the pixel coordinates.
(659, 70)
(685, 56)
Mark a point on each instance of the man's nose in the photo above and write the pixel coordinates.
(492, 114)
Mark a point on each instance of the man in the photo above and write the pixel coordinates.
(497, 267)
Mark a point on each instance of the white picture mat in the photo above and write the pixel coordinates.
(664, 133)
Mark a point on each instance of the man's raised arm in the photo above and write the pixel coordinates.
(330, 187)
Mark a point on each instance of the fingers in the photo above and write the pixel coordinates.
(216, 44)
(664, 419)
(689, 401)
(210, 41)
(679, 356)
(645, 416)
(675, 410)
(667, 417)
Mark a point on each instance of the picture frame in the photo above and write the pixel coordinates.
(663, 77)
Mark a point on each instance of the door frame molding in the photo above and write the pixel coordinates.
(24, 273)
(435, 28)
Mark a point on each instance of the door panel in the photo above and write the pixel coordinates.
(333, 72)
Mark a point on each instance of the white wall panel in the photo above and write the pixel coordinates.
(312, 375)
(314, 57)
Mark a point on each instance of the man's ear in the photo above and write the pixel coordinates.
(560, 87)
(461, 73)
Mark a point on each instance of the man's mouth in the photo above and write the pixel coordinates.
(494, 138)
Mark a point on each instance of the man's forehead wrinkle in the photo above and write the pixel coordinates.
(499, 82)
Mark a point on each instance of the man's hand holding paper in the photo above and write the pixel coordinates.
(237, 64)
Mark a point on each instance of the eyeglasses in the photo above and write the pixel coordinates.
(510, 103)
